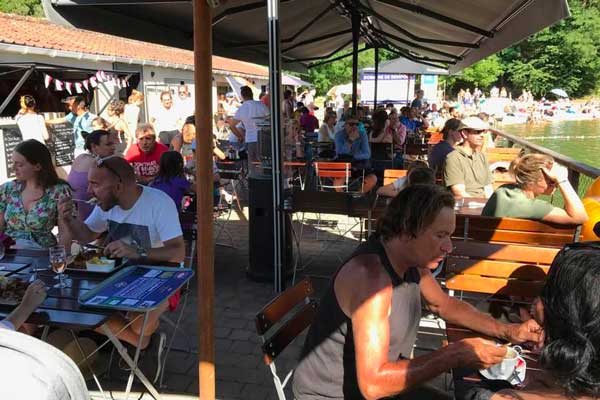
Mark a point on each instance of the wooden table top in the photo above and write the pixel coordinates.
(60, 309)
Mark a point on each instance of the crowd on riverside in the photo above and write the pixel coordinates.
(129, 179)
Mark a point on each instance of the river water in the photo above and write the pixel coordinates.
(579, 140)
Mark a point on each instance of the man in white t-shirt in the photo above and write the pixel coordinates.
(141, 223)
(248, 114)
(185, 103)
(166, 119)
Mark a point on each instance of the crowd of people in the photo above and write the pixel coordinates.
(126, 188)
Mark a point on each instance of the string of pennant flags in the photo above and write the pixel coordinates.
(86, 84)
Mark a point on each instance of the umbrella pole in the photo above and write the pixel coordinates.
(376, 78)
(355, 39)
(204, 193)
(276, 137)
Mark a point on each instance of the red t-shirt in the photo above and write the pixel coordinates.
(145, 164)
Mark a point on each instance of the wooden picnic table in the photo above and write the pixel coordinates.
(466, 380)
(61, 308)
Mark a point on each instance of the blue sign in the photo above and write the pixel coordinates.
(428, 79)
(137, 288)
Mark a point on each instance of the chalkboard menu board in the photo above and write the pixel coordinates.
(11, 137)
(61, 143)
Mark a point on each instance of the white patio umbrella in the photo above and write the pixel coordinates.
(559, 93)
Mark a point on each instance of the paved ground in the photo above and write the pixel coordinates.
(240, 372)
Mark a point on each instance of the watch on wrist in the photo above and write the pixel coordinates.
(141, 252)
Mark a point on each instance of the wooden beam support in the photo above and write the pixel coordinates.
(204, 193)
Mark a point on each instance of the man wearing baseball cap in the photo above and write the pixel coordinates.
(81, 119)
(466, 171)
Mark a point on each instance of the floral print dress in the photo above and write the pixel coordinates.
(37, 224)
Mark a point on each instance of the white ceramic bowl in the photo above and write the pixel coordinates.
(106, 266)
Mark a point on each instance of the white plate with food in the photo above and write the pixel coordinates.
(100, 264)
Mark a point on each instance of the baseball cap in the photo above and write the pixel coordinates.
(76, 99)
(474, 123)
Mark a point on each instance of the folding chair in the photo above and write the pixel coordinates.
(222, 208)
(326, 171)
(280, 322)
(231, 173)
(189, 228)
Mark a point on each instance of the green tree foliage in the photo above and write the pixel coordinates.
(564, 56)
(482, 74)
(325, 76)
(22, 7)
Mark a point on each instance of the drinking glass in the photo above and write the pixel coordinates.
(58, 261)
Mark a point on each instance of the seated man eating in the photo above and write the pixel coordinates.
(141, 224)
(361, 341)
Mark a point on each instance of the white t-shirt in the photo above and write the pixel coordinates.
(151, 221)
(248, 114)
(32, 126)
(132, 116)
(166, 120)
(185, 108)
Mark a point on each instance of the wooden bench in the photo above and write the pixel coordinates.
(514, 230)
(507, 256)
(390, 175)
(505, 269)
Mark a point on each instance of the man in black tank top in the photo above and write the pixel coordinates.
(361, 340)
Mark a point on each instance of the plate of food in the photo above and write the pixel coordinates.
(100, 264)
(12, 290)
(92, 260)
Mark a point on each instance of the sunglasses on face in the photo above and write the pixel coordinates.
(474, 132)
(101, 162)
(166, 100)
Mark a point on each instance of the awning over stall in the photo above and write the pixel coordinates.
(403, 66)
(441, 33)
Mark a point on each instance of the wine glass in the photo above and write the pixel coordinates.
(58, 261)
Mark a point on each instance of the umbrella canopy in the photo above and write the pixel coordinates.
(453, 33)
(342, 89)
(294, 81)
(404, 66)
(559, 93)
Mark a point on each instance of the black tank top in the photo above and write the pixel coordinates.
(327, 367)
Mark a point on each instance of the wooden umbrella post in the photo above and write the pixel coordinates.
(204, 193)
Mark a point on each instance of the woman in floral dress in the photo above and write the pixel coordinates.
(28, 204)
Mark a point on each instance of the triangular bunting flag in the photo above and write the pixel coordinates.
(86, 84)
(78, 87)
(93, 82)
(68, 86)
(47, 80)
(99, 77)
(58, 85)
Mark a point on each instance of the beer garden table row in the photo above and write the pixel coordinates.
(62, 309)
